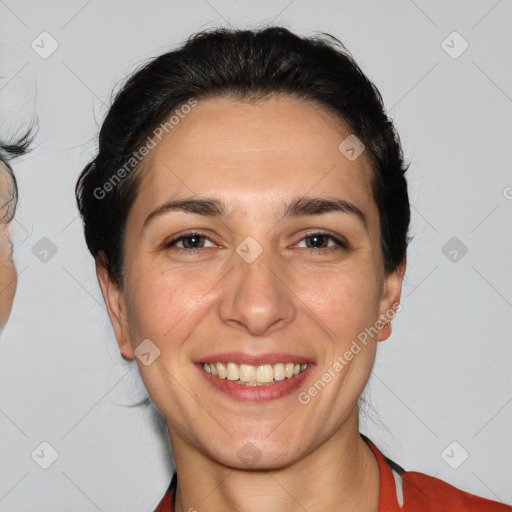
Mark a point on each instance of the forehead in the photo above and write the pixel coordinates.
(263, 151)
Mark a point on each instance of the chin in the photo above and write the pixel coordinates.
(256, 454)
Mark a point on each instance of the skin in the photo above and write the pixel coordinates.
(292, 298)
(8, 275)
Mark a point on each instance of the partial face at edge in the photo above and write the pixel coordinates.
(317, 284)
(8, 276)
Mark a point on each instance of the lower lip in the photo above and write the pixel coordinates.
(274, 391)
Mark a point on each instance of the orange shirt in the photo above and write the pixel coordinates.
(407, 491)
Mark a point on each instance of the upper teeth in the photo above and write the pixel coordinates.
(246, 373)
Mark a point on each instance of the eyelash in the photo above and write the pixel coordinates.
(341, 243)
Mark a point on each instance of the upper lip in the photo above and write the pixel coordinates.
(253, 359)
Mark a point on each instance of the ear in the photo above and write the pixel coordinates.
(116, 307)
(390, 300)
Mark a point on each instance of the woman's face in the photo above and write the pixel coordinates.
(8, 276)
(273, 278)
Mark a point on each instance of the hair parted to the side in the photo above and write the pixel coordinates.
(9, 150)
(247, 65)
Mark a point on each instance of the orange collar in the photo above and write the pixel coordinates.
(390, 487)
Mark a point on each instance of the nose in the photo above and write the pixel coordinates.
(258, 299)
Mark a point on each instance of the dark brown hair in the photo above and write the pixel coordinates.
(248, 65)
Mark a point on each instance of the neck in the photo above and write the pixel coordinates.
(340, 474)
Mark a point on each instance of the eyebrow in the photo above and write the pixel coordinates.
(209, 207)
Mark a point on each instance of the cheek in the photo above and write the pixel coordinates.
(348, 307)
(162, 305)
(8, 280)
(345, 300)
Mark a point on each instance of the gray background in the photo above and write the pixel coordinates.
(443, 377)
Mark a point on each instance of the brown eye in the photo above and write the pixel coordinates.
(190, 241)
(318, 242)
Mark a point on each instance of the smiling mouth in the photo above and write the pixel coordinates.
(249, 375)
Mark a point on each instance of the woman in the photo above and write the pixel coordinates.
(8, 200)
(248, 214)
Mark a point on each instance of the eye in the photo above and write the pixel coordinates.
(321, 241)
(316, 242)
(189, 241)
